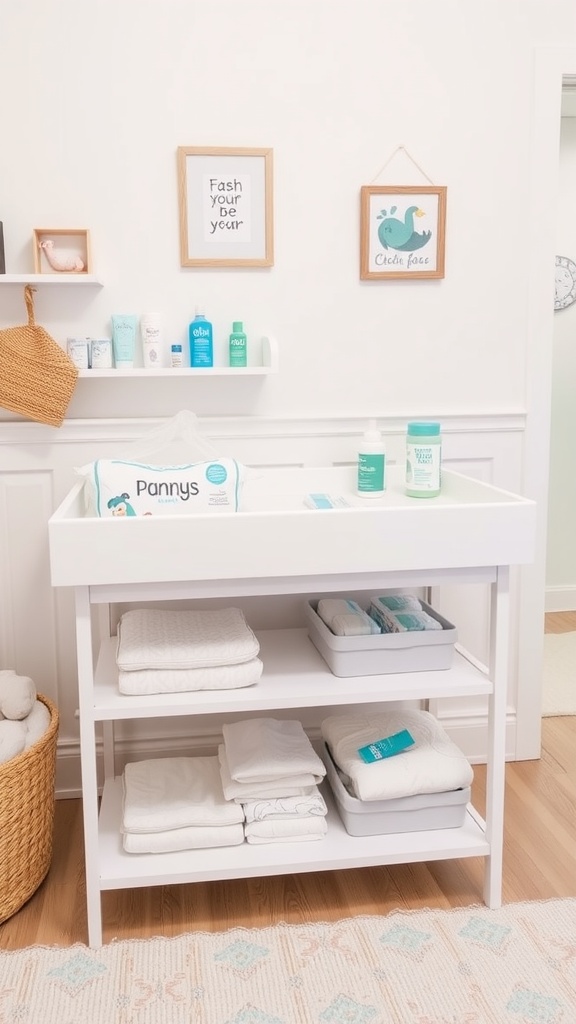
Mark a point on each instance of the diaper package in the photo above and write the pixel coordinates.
(173, 470)
(402, 620)
(117, 487)
(345, 617)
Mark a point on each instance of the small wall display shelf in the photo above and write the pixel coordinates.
(66, 279)
(269, 365)
(471, 533)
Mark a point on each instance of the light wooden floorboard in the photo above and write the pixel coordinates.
(539, 863)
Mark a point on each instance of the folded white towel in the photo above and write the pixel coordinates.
(183, 680)
(265, 749)
(193, 838)
(286, 808)
(286, 831)
(290, 785)
(433, 765)
(161, 638)
(175, 792)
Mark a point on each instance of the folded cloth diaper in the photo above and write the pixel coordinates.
(181, 680)
(192, 838)
(285, 808)
(293, 831)
(175, 792)
(433, 765)
(290, 785)
(345, 617)
(266, 749)
(183, 639)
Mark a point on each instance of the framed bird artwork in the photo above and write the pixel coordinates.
(402, 231)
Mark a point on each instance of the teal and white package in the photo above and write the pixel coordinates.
(120, 488)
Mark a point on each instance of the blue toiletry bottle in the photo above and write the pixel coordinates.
(200, 338)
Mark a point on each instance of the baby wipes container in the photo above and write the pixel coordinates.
(423, 460)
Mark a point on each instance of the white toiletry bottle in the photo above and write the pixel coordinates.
(151, 333)
(371, 463)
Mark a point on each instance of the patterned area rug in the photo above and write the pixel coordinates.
(559, 674)
(516, 965)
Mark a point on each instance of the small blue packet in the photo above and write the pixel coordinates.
(386, 747)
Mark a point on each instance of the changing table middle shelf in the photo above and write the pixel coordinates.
(295, 676)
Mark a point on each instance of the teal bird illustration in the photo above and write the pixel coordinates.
(394, 233)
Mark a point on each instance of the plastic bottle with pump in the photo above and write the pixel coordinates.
(200, 337)
(371, 463)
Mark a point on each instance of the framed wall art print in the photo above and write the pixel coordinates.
(225, 205)
(402, 231)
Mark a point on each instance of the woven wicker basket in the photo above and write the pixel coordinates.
(27, 799)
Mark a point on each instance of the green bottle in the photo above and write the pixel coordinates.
(237, 345)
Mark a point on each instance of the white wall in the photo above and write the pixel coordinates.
(94, 110)
(561, 549)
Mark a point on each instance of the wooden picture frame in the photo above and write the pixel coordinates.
(70, 253)
(225, 207)
(392, 243)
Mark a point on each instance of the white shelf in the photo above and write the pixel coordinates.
(295, 676)
(57, 279)
(182, 371)
(269, 365)
(336, 850)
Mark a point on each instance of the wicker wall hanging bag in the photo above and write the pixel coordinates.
(37, 378)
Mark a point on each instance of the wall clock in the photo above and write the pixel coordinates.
(565, 282)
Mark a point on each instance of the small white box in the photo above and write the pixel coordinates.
(382, 653)
(419, 813)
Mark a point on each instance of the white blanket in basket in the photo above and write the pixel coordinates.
(183, 639)
(433, 765)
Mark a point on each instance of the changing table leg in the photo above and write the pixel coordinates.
(496, 767)
(88, 762)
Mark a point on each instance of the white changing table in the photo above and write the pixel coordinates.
(471, 533)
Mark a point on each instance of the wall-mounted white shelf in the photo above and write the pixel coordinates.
(269, 365)
(59, 279)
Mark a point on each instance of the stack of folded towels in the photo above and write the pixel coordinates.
(163, 651)
(269, 768)
(433, 764)
(177, 803)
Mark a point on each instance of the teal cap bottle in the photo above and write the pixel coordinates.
(237, 345)
(423, 460)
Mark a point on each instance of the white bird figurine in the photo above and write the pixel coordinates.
(59, 259)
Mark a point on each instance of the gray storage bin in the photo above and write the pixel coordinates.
(419, 813)
(381, 653)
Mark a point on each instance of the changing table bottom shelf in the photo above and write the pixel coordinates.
(336, 850)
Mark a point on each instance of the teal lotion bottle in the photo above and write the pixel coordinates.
(200, 339)
(237, 345)
(371, 463)
(423, 460)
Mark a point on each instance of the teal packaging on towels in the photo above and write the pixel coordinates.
(386, 747)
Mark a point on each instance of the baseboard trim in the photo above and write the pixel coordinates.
(560, 599)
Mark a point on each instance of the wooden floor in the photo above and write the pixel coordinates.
(539, 863)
